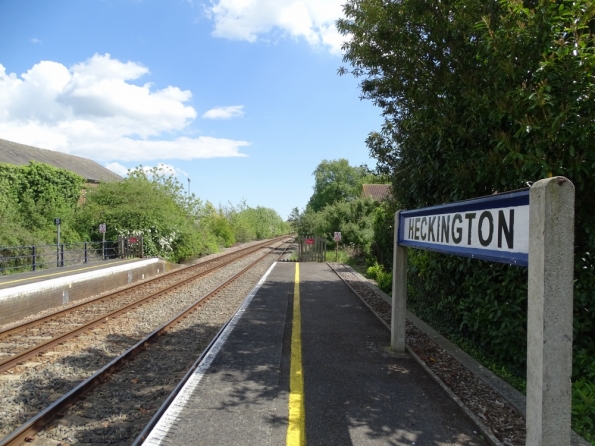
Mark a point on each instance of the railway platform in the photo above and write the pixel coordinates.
(12, 280)
(305, 362)
(28, 293)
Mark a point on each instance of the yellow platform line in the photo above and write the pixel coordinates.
(296, 429)
(63, 272)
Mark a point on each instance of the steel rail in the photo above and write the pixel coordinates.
(14, 360)
(46, 416)
(17, 328)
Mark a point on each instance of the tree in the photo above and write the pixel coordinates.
(337, 181)
(154, 206)
(34, 195)
(294, 219)
(479, 97)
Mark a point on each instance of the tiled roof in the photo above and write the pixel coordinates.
(376, 191)
(20, 154)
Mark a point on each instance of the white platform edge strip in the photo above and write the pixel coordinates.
(18, 290)
(169, 418)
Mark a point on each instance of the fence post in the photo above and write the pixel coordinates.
(33, 258)
(142, 248)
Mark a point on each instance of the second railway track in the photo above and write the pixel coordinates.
(21, 342)
(30, 387)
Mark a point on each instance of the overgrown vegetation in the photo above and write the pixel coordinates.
(174, 226)
(337, 205)
(480, 97)
(31, 197)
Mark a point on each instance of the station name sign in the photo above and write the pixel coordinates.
(494, 228)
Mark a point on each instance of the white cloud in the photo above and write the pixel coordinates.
(313, 20)
(35, 40)
(165, 169)
(231, 111)
(91, 109)
(162, 168)
(117, 168)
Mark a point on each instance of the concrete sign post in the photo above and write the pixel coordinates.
(399, 305)
(549, 320)
(533, 228)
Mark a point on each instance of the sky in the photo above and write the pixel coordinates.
(241, 97)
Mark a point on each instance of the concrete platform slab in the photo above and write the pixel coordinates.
(356, 391)
(22, 295)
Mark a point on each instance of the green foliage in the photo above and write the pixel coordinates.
(383, 229)
(174, 226)
(354, 219)
(583, 408)
(31, 196)
(337, 181)
(481, 97)
(383, 278)
(153, 206)
(255, 223)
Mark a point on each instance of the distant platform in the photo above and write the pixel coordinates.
(24, 294)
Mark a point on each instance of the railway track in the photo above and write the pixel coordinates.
(29, 339)
(122, 331)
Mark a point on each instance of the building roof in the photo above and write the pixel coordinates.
(20, 154)
(376, 191)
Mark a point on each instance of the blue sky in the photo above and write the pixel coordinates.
(240, 96)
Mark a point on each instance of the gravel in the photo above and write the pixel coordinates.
(32, 386)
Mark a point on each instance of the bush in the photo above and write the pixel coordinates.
(583, 408)
(383, 278)
(151, 207)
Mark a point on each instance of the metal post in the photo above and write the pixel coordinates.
(62, 254)
(34, 258)
(58, 245)
(103, 245)
(549, 318)
(399, 301)
(86, 253)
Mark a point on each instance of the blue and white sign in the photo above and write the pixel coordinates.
(494, 228)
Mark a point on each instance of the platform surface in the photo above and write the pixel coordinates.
(356, 391)
(25, 278)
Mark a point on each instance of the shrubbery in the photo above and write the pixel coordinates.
(31, 197)
(484, 97)
(174, 226)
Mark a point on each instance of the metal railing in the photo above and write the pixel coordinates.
(15, 259)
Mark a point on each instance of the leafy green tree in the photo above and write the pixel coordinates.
(153, 206)
(255, 223)
(215, 221)
(337, 181)
(481, 97)
(354, 219)
(34, 195)
(293, 219)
